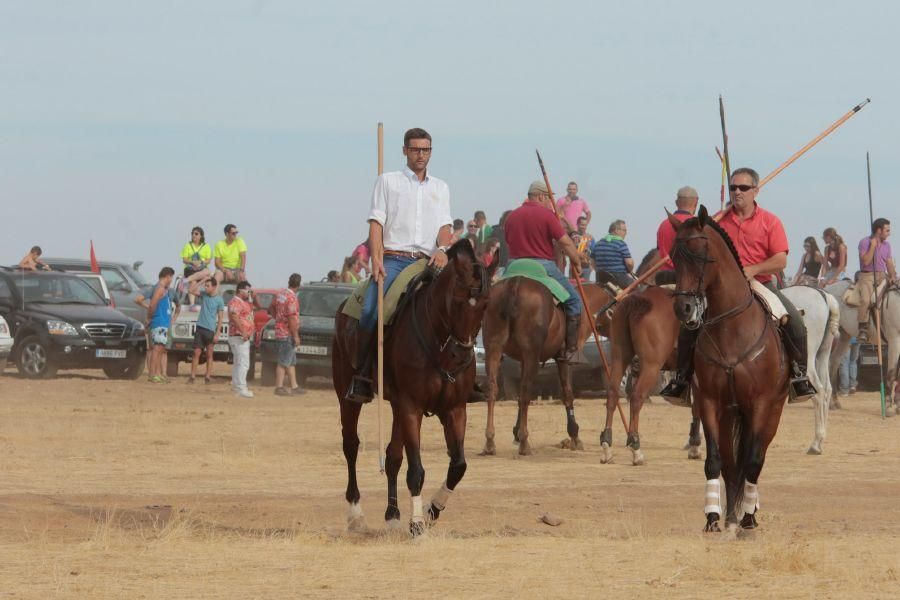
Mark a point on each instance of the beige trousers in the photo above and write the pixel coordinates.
(866, 286)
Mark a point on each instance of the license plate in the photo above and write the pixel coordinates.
(111, 353)
(868, 360)
(221, 348)
(317, 350)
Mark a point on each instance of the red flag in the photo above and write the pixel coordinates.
(95, 266)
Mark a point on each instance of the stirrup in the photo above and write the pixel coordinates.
(676, 393)
(800, 390)
(360, 390)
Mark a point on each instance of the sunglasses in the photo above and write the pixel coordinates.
(233, 232)
(743, 188)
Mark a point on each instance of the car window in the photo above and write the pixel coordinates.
(136, 276)
(95, 285)
(5, 290)
(114, 279)
(321, 303)
(59, 290)
(264, 300)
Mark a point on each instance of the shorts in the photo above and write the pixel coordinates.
(231, 274)
(159, 336)
(287, 355)
(203, 337)
(190, 270)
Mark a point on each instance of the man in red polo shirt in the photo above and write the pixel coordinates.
(685, 207)
(762, 247)
(530, 232)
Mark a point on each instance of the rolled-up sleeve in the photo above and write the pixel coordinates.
(378, 210)
(777, 238)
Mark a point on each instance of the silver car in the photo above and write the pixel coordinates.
(125, 282)
(6, 343)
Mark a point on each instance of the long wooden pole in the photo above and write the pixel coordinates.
(587, 311)
(381, 448)
(656, 266)
(724, 177)
(877, 308)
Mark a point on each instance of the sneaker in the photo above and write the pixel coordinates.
(852, 391)
(282, 391)
(297, 391)
(190, 380)
(243, 393)
(158, 379)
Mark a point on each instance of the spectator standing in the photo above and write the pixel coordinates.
(231, 256)
(571, 207)
(835, 256)
(849, 369)
(812, 264)
(484, 230)
(285, 309)
(584, 244)
(459, 231)
(32, 261)
(500, 235)
(875, 263)
(209, 323)
(472, 234)
(350, 273)
(241, 329)
(159, 317)
(363, 255)
(612, 258)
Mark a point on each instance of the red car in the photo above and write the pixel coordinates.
(264, 297)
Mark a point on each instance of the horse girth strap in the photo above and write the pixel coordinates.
(749, 354)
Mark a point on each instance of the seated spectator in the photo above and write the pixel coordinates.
(472, 233)
(584, 243)
(196, 256)
(812, 264)
(484, 230)
(487, 253)
(612, 259)
(333, 277)
(231, 256)
(351, 271)
(458, 231)
(32, 261)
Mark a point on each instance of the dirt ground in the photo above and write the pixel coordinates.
(132, 490)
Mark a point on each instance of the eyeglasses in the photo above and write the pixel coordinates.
(743, 188)
(412, 150)
(233, 232)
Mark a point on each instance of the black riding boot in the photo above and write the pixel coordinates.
(570, 354)
(360, 389)
(800, 387)
(863, 336)
(676, 391)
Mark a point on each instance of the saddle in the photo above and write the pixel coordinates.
(852, 296)
(392, 295)
(532, 269)
(770, 302)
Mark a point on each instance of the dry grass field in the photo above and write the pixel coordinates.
(132, 490)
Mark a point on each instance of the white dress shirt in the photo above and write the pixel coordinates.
(411, 212)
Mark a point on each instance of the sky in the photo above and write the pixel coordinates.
(127, 123)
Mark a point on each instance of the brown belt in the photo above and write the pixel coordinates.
(412, 255)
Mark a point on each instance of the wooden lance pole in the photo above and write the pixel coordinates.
(381, 448)
(877, 307)
(724, 176)
(655, 267)
(580, 287)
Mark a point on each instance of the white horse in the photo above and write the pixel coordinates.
(890, 331)
(820, 315)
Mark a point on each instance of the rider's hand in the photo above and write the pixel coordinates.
(438, 259)
(750, 272)
(378, 270)
(576, 268)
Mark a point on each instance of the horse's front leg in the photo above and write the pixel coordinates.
(410, 426)
(568, 398)
(454, 434)
(712, 507)
(356, 521)
(492, 367)
(392, 463)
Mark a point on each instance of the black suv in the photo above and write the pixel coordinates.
(318, 304)
(58, 321)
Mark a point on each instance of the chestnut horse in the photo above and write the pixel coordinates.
(741, 371)
(429, 369)
(522, 322)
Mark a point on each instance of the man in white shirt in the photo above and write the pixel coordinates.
(409, 220)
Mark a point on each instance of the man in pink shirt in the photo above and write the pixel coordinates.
(875, 263)
(571, 207)
(240, 332)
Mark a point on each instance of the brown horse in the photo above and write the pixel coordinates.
(741, 372)
(522, 322)
(429, 369)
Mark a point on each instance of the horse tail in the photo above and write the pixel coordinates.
(834, 315)
(509, 307)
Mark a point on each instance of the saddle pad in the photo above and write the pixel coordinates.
(532, 269)
(669, 286)
(770, 300)
(353, 305)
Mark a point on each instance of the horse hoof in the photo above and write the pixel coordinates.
(417, 528)
(394, 524)
(694, 453)
(731, 531)
(490, 449)
(897, 409)
(578, 444)
(749, 522)
(524, 449)
(607, 456)
(357, 524)
(431, 514)
(637, 458)
(814, 450)
(712, 525)
(571, 444)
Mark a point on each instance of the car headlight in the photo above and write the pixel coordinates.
(268, 334)
(137, 328)
(4, 329)
(61, 328)
(182, 330)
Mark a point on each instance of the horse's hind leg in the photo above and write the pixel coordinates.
(349, 420)
(694, 439)
(620, 358)
(410, 425)
(392, 463)
(568, 397)
(492, 367)
(454, 434)
(646, 379)
(529, 370)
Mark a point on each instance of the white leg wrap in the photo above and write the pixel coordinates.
(440, 498)
(417, 515)
(354, 511)
(751, 498)
(713, 501)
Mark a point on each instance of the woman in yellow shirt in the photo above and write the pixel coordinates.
(196, 256)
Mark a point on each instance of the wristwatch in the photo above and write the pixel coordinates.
(443, 249)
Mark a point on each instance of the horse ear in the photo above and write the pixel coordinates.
(675, 222)
(702, 216)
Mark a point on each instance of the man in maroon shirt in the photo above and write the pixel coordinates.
(530, 232)
(685, 207)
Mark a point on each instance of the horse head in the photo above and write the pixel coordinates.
(694, 269)
(465, 285)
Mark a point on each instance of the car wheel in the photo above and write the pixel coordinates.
(267, 374)
(172, 365)
(34, 360)
(131, 370)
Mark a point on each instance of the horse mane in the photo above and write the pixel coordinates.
(645, 262)
(695, 222)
